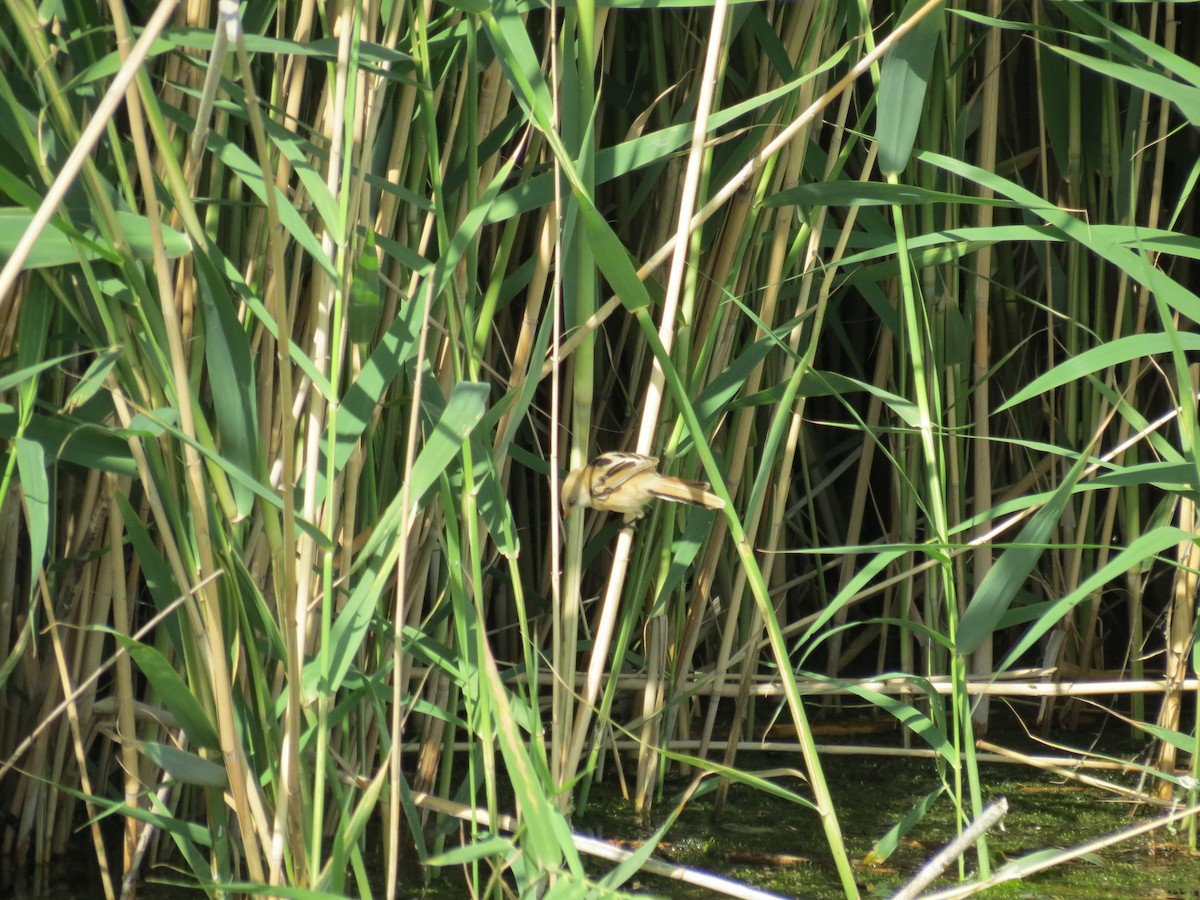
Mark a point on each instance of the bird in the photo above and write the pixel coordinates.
(626, 483)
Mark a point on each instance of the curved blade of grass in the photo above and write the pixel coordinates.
(913, 719)
(1184, 97)
(873, 193)
(634, 862)
(160, 580)
(231, 375)
(1146, 546)
(835, 385)
(1109, 245)
(1179, 66)
(93, 378)
(547, 834)
(462, 413)
(1008, 573)
(350, 829)
(1185, 742)
(254, 303)
(920, 629)
(493, 503)
(505, 29)
(642, 151)
(860, 580)
(237, 475)
(485, 848)
(66, 244)
(25, 373)
(250, 174)
(1172, 477)
(886, 845)
(683, 554)
(175, 695)
(35, 491)
(957, 242)
(395, 348)
(189, 836)
(183, 766)
(1098, 359)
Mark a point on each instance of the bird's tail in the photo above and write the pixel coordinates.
(677, 490)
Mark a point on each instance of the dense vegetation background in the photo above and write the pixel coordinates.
(917, 299)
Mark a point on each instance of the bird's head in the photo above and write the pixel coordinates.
(574, 492)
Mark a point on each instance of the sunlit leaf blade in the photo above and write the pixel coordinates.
(903, 80)
(365, 301)
(183, 766)
(174, 694)
(1098, 359)
(35, 492)
(93, 379)
(871, 193)
(230, 368)
(493, 504)
(462, 413)
(1140, 550)
(1007, 575)
(62, 246)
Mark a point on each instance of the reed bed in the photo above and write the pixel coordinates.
(305, 310)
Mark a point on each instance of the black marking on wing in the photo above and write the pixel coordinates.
(617, 469)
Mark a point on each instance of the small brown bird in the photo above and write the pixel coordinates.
(626, 482)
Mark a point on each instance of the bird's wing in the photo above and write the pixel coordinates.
(614, 469)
